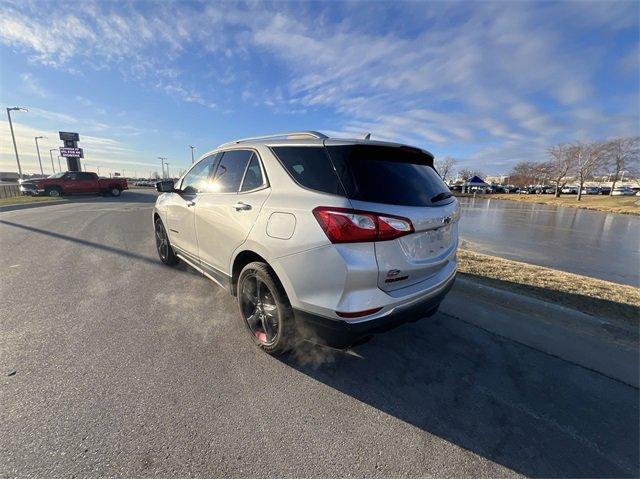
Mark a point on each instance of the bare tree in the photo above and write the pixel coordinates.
(445, 167)
(467, 173)
(588, 158)
(622, 155)
(527, 173)
(559, 165)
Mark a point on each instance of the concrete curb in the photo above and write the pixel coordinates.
(24, 206)
(594, 343)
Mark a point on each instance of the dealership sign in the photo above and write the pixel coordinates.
(69, 136)
(71, 152)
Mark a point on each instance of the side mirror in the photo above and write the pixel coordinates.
(165, 186)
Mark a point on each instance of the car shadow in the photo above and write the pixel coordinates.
(151, 260)
(531, 412)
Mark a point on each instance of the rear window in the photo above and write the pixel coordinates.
(377, 174)
(390, 175)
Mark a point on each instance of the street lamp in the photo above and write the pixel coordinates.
(162, 158)
(13, 136)
(38, 149)
(192, 148)
(51, 155)
(622, 177)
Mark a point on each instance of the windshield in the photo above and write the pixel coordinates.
(57, 175)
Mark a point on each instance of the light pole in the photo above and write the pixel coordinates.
(13, 136)
(38, 150)
(51, 155)
(162, 158)
(192, 148)
(59, 164)
(168, 174)
(622, 177)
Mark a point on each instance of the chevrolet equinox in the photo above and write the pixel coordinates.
(318, 238)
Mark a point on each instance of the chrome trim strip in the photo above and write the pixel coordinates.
(221, 279)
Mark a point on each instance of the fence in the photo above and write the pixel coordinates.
(8, 190)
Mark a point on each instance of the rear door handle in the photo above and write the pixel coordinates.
(241, 206)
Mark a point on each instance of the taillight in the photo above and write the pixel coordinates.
(344, 225)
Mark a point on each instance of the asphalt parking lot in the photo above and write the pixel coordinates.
(115, 365)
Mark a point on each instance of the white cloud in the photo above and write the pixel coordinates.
(498, 77)
(32, 85)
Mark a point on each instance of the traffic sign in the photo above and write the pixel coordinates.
(71, 152)
(68, 135)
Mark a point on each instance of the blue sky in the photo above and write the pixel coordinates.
(487, 83)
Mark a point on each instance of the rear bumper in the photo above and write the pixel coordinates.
(342, 334)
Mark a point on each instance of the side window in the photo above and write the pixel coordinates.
(230, 170)
(253, 177)
(71, 176)
(310, 167)
(85, 176)
(197, 180)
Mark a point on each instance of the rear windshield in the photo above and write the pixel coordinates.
(378, 174)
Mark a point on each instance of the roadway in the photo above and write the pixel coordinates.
(115, 365)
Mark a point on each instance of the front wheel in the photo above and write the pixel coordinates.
(265, 309)
(115, 191)
(54, 192)
(165, 251)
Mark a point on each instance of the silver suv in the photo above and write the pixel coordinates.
(318, 238)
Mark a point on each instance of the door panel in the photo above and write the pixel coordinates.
(71, 183)
(181, 207)
(87, 183)
(221, 228)
(181, 227)
(225, 218)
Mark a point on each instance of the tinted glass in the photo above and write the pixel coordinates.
(230, 171)
(310, 167)
(85, 176)
(71, 176)
(253, 177)
(390, 175)
(197, 180)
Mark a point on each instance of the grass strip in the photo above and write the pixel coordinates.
(21, 200)
(589, 295)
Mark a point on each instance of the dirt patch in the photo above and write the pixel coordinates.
(589, 295)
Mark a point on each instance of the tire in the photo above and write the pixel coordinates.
(53, 192)
(163, 246)
(115, 191)
(274, 330)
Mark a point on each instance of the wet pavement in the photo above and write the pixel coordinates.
(591, 243)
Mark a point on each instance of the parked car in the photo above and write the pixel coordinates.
(590, 190)
(72, 183)
(623, 191)
(569, 190)
(317, 238)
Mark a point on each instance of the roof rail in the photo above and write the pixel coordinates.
(292, 135)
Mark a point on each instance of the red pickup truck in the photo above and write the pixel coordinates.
(72, 183)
